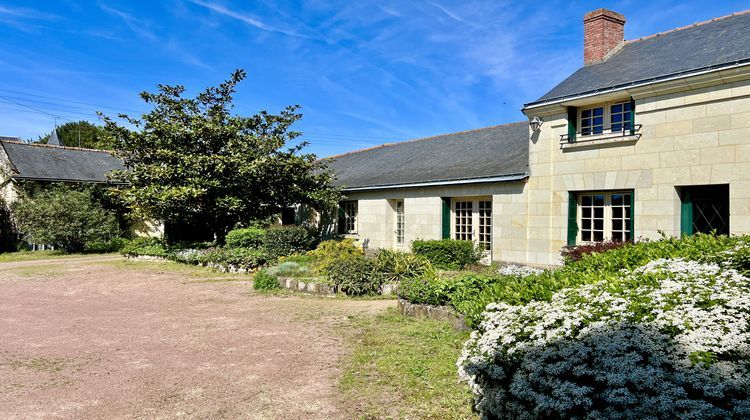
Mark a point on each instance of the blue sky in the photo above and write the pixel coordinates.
(365, 72)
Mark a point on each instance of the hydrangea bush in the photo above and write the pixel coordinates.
(669, 339)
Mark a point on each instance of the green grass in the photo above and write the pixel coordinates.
(403, 367)
(37, 255)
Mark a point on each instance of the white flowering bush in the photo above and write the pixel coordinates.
(669, 339)
(519, 270)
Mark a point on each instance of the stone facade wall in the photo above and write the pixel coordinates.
(694, 132)
(423, 216)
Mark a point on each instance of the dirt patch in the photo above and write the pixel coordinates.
(102, 340)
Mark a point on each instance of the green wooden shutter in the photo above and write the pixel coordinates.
(632, 116)
(572, 218)
(446, 218)
(686, 214)
(572, 123)
(342, 219)
(632, 215)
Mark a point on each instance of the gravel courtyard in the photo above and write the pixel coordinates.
(102, 337)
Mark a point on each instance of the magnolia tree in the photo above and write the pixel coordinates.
(668, 340)
(191, 160)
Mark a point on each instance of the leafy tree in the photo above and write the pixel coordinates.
(91, 136)
(64, 217)
(192, 160)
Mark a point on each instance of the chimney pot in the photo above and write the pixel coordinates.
(603, 31)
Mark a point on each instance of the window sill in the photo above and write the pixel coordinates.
(600, 140)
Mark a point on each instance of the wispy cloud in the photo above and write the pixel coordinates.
(136, 25)
(246, 18)
(26, 13)
(448, 13)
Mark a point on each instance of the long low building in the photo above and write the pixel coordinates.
(649, 136)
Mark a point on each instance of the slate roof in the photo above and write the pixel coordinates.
(485, 153)
(55, 163)
(714, 44)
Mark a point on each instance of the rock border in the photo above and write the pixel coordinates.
(304, 285)
(438, 313)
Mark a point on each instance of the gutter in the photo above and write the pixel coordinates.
(639, 83)
(503, 178)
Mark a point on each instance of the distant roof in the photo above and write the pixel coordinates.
(484, 154)
(54, 140)
(714, 44)
(40, 162)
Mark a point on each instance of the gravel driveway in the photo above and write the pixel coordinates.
(106, 338)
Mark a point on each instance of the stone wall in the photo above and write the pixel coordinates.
(694, 132)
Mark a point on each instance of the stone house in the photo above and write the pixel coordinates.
(650, 135)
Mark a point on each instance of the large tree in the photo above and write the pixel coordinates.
(191, 160)
(81, 134)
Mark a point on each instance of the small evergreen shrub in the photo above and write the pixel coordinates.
(265, 281)
(245, 238)
(577, 252)
(331, 251)
(290, 269)
(356, 276)
(447, 254)
(426, 290)
(242, 258)
(396, 266)
(150, 247)
(103, 247)
(280, 241)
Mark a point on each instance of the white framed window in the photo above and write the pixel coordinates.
(604, 216)
(614, 117)
(472, 221)
(400, 222)
(348, 217)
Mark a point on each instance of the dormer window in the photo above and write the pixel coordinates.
(608, 118)
(599, 122)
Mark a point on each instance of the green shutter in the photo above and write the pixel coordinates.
(572, 218)
(632, 116)
(572, 123)
(686, 214)
(632, 215)
(446, 218)
(342, 219)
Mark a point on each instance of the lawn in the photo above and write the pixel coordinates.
(405, 367)
(36, 255)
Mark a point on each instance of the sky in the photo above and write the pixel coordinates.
(364, 72)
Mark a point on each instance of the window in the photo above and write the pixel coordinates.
(463, 216)
(472, 221)
(400, 222)
(592, 121)
(605, 216)
(619, 117)
(615, 118)
(348, 217)
(485, 225)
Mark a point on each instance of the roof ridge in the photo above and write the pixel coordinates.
(52, 146)
(693, 25)
(380, 146)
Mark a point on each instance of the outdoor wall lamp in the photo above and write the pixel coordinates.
(535, 123)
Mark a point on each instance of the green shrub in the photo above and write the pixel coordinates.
(356, 276)
(245, 238)
(331, 251)
(103, 247)
(426, 290)
(290, 269)
(281, 241)
(242, 258)
(396, 266)
(447, 254)
(265, 281)
(64, 217)
(152, 247)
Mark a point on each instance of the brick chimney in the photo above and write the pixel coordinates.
(603, 31)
